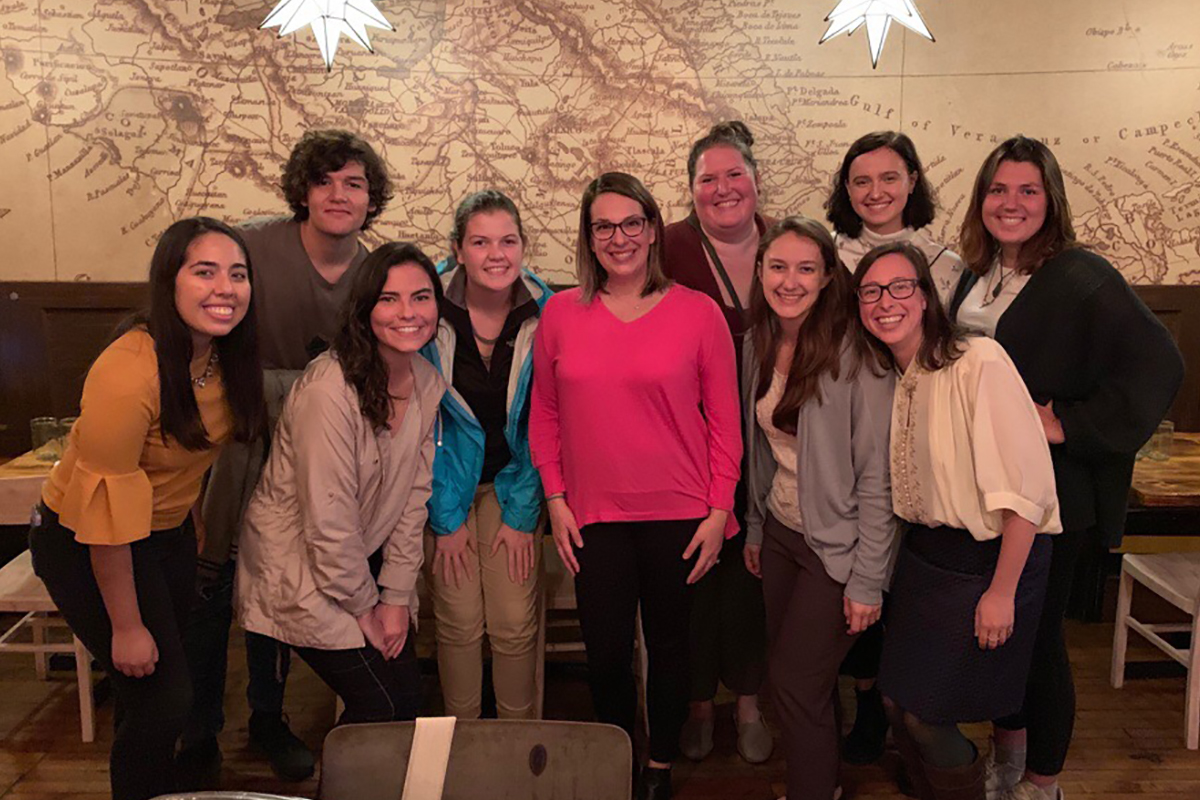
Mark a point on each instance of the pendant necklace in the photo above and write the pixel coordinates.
(208, 370)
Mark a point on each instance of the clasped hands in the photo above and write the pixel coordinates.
(385, 628)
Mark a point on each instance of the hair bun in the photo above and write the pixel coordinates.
(733, 129)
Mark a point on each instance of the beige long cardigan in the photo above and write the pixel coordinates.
(333, 492)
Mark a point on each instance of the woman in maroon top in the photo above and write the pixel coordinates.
(713, 251)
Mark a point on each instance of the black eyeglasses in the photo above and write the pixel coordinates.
(630, 227)
(899, 289)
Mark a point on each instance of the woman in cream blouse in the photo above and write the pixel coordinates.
(971, 472)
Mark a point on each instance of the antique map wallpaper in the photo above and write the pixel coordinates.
(120, 116)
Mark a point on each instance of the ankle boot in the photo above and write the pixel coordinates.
(957, 783)
(864, 743)
(911, 777)
(654, 784)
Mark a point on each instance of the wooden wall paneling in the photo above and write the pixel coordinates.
(49, 335)
(24, 375)
(1178, 307)
(51, 332)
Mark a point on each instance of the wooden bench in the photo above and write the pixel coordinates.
(21, 592)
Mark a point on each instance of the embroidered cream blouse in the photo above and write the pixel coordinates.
(967, 443)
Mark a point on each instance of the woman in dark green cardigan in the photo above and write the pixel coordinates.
(1103, 372)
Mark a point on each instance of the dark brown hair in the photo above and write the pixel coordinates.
(592, 276)
(237, 351)
(921, 204)
(319, 153)
(735, 134)
(979, 247)
(356, 345)
(941, 339)
(822, 333)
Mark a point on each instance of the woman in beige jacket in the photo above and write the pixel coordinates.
(332, 542)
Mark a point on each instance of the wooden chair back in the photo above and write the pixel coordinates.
(497, 759)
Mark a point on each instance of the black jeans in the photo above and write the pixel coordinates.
(150, 711)
(1048, 715)
(728, 627)
(622, 565)
(373, 688)
(206, 642)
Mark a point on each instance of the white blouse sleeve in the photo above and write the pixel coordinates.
(1012, 459)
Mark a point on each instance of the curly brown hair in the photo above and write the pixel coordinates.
(321, 152)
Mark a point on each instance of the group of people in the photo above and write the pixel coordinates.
(797, 453)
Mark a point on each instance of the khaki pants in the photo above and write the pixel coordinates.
(490, 601)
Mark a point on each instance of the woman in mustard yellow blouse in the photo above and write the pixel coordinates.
(113, 538)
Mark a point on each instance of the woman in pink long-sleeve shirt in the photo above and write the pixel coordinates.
(635, 429)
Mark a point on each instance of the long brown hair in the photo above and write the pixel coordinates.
(979, 248)
(822, 333)
(237, 351)
(592, 276)
(356, 345)
(941, 339)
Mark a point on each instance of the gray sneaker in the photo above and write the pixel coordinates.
(696, 739)
(1027, 790)
(1000, 776)
(754, 741)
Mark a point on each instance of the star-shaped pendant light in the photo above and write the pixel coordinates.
(329, 20)
(877, 15)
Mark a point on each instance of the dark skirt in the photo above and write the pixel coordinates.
(932, 664)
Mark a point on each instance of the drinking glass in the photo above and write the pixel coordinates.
(64, 430)
(44, 432)
(1162, 441)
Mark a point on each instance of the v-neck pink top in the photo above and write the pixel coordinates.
(636, 420)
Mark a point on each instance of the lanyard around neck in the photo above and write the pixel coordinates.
(718, 266)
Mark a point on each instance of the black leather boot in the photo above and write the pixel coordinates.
(654, 784)
(864, 743)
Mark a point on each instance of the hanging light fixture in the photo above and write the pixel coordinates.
(329, 19)
(877, 15)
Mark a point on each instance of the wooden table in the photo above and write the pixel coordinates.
(21, 487)
(1174, 483)
(1164, 517)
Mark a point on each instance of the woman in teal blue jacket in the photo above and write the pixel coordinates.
(486, 505)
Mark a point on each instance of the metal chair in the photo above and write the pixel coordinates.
(497, 759)
(1175, 577)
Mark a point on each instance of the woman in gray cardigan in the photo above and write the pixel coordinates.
(820, 528)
